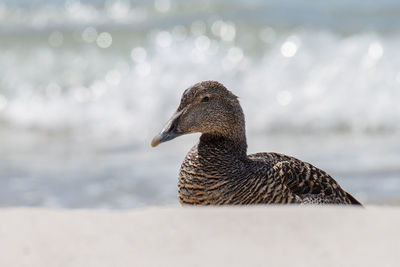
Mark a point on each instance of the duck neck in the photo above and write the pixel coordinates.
(233, 144)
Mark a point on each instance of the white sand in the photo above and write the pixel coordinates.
(249, 236)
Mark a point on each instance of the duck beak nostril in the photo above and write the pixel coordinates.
(169, 132)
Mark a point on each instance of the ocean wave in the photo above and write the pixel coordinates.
(115, 80)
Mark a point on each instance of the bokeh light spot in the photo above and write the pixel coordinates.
(179, 33)
(82, 94)
(216, 27)
(113, 77)
(117, 9)
(89, 35)
(202, 43)
(228, 32)
(98, 88)
(164, 39)
(375, 50)
(398, 77)
(143, 69)
(104, 40)
(235, 55)
(73, 6)
(288, 49)
(138, 54)
(3, 102)
(162, 5)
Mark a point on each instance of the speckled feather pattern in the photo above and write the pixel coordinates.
(215, 173)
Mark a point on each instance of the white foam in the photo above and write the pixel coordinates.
(295, 80)
(325, 86)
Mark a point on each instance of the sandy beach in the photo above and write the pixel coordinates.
(230, 236)
(316, 81)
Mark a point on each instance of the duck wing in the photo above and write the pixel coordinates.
(307, 182)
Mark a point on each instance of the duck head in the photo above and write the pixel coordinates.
(206, 107)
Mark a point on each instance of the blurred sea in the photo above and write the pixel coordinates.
(85, 85)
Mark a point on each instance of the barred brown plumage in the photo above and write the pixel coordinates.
(218, 171)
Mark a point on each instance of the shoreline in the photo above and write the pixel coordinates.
(205, 236)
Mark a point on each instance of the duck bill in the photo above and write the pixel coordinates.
(169, 132)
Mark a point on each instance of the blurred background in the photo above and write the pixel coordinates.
(85, 85)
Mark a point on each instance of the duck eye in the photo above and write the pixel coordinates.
(205, 99)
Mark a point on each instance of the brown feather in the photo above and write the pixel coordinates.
(218, 171)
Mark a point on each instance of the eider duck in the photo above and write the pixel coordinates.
(218, 171)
